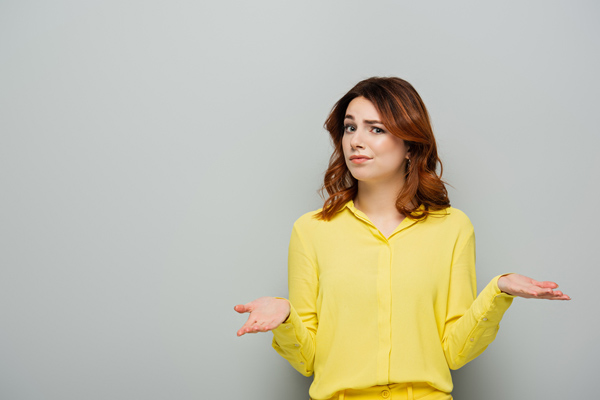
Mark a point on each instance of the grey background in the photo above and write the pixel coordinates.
(155, 154)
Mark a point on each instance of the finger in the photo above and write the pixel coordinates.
(535, 292)
(253, 329)
(244, 308)
(272, 325)
(241, 331)
(252, 325)
(563, 297)
(261, 326)
(545, 284)
(553, 293)
(240, 308)
(558, 295)
(246, 328)
(548, 294)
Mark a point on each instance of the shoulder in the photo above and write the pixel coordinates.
(457, 216)
(450, 218)
(308, 221)
(309, 225)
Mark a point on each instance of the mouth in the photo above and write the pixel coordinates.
(359, 159)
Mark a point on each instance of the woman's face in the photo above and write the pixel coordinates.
(372, 154)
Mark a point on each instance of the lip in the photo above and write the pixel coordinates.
(358, 159)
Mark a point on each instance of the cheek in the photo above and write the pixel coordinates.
(345, 144)
(391, 151)
(385, 146)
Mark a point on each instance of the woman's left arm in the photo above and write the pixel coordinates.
(472, 321)
(522, 286)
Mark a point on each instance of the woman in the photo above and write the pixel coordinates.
(382, 278)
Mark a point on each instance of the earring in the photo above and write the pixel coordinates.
(407, 163)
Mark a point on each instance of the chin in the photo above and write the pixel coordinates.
(362, 177)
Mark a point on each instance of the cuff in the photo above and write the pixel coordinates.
(286, 333)
(291, 341)
(492, 302)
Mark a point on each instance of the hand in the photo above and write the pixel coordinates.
(522, 286)
(266, 313)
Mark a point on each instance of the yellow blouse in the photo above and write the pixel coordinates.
(369, 310)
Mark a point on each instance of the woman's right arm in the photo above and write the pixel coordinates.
(294, 339)
(294, 326)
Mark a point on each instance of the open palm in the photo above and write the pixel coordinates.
(522, 286)
(266, 313)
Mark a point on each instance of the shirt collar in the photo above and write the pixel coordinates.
(350, 205)
(407, 222)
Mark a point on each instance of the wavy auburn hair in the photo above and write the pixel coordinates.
(403, 113)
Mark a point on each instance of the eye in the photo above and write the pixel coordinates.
(377, 130)
(349, 128)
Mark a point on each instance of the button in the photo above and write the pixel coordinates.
(485, 319)
(288, 326)
(385, 394)
(472, 339)
(296, 345)
(301, 362)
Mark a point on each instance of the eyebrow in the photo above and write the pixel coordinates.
(366, 121)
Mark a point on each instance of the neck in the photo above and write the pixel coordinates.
(378, 200)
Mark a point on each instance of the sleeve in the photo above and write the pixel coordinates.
(294, 340)
(471, 322)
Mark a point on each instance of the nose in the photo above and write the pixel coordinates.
(357, 140)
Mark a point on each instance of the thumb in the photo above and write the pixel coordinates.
(243, 308)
